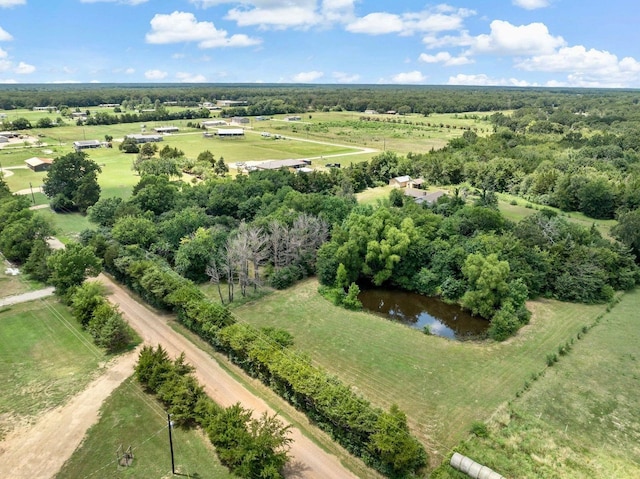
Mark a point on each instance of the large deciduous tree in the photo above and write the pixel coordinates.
(72, 181)
(71, 266)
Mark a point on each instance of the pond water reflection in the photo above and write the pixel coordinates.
(417, 311)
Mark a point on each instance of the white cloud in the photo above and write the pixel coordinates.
(123, 2)
(342, 77)
(183, 27)
(484, 80)
(24, 68)
(130, 71)
(409, 77)
(508, 39)
(461, 40)
(445, 58)
(3, 54)
(5, 36)
(438, 19)
(586, 67)
(9, 81)
(155, 75)
(190, 78)
(377, 24)
(531, 4)
(307, 77)
(278, 17)
(11, 3)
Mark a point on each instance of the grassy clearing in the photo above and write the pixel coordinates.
(580, 419)
(443, 386)
(66, 226)
(10, 285)
(46, 358)
(130, 417)
(523, 208)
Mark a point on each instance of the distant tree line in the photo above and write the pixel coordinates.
(271, 99)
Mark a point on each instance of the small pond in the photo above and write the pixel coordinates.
(417, 311)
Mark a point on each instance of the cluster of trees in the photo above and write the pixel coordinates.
(72, 183)
(237, 232)
(474, 256)
(23, 233)
(102, 320)
(381, 438)
(250, 448)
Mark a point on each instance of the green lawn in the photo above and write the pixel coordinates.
(580, 420)
(130, 417)
(443, 386)
(66, 226)
(45, 359)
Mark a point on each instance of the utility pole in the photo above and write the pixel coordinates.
(32, 196)
(173, 464)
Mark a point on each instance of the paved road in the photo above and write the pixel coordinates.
(30, 296)
(309, 461)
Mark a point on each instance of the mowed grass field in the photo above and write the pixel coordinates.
(580, 420)
(442, 385)
(130, 417)
(45, 359)
(10, 285)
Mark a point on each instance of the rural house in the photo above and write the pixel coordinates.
(400, 181)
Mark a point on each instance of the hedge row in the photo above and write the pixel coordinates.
(250, 448)
(382, 439)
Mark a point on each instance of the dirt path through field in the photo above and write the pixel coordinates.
(29, 296)
(309, 460)
(39, 451)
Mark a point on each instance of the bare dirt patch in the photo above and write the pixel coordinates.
(41, 450)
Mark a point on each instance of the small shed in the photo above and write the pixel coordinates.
(240, 120)
(39, 164)
(230, 133)
(400, 181)
(416, 183)
(86, 144)
(277, 164)
(166, 129)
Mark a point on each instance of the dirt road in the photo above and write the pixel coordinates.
(24, 297)
(310, 461)
(39, 451)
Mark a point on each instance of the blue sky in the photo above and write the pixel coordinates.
(573, 43)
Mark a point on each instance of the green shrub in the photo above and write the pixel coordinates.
(479, 429)
(285, 277)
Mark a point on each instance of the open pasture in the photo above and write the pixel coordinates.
(401, 134)
(580, 419)
(130, 417)
(443, 386)
(46, 358)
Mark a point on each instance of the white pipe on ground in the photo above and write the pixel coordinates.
(472, 468)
